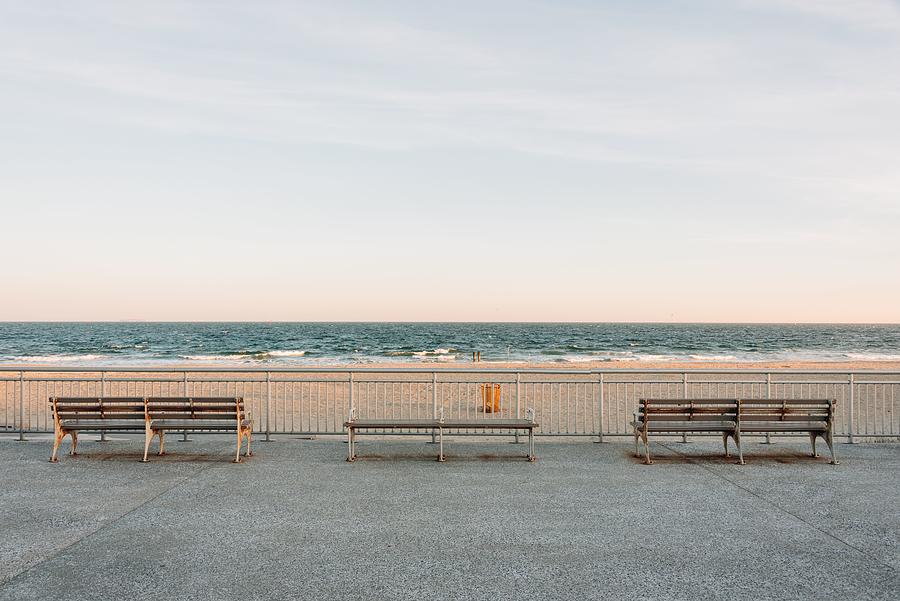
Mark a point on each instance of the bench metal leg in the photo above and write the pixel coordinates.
(57, 440)
(237, 451)
(441, 443)
(148, 436)
(249, 440)
(725, 442)
(644, 437)
(531, 456)
(73, 451)
(812, 439)
(637, 450)
(350, 454)
(829, 440)
(737, 441)
(162, 443)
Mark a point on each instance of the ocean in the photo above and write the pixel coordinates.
(311, 344)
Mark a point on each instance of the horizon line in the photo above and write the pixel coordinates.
(362, 321)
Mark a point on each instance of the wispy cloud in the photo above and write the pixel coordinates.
(579, 115)
(868, 14)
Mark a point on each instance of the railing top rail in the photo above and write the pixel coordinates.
(423, 370)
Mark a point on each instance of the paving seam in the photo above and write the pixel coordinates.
(778, 507)
(10, 579)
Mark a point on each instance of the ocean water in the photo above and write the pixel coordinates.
(311, 344)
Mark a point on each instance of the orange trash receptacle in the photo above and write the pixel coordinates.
(490, 398)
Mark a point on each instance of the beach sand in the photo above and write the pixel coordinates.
(639, 365)
(488, 365)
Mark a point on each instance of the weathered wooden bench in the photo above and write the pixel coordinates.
(164, 414)
(439, 426)
(72, 415)
(813, 416)
(673, 416)
(732, 417)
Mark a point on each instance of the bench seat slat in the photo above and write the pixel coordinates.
(103, 424)
(783, 426)
(123, 415)
(196, 424)
(189, 415)
(689, 417)
(687, 426)
(775, 417)
(689, 401)
(429, 424)
(686, 410)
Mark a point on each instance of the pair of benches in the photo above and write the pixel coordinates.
(153, 415)
(438, 427)
(733, 417)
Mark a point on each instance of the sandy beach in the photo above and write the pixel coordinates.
(648, 366)
(636, 365)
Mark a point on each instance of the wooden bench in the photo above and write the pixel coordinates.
(813, 416)
(72, 415)
(672, 416)
(732, 417)
(165, 414)
(438, 426)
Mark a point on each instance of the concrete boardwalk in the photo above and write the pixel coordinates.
(587, 521)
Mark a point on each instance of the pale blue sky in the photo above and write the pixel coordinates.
(596, 161)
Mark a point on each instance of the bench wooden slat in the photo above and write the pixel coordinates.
(781, 417)
(500, 424)
(194, 424)
(103, 424)
(440, 426)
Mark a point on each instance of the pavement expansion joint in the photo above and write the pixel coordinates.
(106, 524)
(777, 506)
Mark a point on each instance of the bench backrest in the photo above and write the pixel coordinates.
(747, 410)
(97, 408)
(786, 410)
(683, 410)
(199, 408)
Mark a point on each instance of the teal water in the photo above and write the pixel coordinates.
(310, 344)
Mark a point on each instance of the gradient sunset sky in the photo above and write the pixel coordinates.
(451, 161)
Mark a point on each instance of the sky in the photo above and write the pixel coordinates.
(733, 161)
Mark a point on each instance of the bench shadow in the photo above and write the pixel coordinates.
(484, 457)
(752, 456)
(119, 457)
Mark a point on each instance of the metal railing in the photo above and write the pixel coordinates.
(317, 401)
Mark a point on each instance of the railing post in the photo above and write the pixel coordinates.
(22, 406)
(184, 433)
(684, 395)
(102, 395)
(518, 391)
(852, 403)
(600, 409)
(434, 411)
(350, 381)
(268, 403)
(768, 397)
